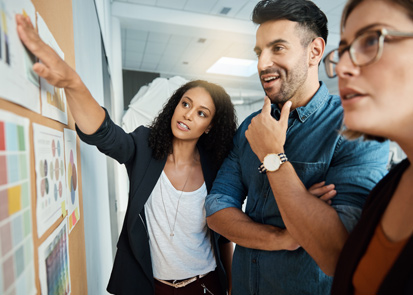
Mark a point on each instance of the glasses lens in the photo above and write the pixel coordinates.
(330, 63)
(365, 48)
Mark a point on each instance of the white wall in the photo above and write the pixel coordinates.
(88, 52)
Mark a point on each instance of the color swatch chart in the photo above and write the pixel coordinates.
(54, 262)
(16, 239)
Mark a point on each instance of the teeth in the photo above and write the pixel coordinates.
(183, 125)
(270, 79)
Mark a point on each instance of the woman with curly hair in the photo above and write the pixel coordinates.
(165, 246)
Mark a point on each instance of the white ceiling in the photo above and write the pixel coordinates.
(185, 37)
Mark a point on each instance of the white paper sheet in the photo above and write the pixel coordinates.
(18, 83)
(50, 176)
(54, 268)
(72, 178)
(54, 103)
(16, 235)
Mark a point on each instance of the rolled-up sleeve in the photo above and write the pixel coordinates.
(357, 167)
(348, 215)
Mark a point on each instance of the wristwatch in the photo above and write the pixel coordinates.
(272, 162)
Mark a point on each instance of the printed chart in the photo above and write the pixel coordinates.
(71, 174)
(54, 103)
(16, 238)
(18, 82)
(50, 176)
(54, 270)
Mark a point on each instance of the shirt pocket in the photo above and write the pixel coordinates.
(310, 172)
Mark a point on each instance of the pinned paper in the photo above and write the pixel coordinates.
(64, 209)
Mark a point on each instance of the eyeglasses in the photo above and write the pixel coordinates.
(364, 50)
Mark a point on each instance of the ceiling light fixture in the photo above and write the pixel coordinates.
(225, 10)
(234, 67)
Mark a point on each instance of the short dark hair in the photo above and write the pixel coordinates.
(304, 12)
(217, 142)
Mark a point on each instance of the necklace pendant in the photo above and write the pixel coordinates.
(171, 234)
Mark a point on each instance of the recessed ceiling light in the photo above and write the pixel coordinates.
(225, 10)
(234, 67)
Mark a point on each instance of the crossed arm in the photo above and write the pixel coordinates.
(314, 224)
(236, 226)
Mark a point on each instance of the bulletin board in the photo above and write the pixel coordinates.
(42, 244)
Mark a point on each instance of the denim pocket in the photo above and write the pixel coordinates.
(310, 172)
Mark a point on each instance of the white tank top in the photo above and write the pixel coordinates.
(189, 252)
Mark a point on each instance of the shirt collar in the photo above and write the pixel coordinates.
(303, 113)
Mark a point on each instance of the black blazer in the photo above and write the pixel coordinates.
(132, 269)
(399, 279)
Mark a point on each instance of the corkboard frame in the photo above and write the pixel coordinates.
(58, 16)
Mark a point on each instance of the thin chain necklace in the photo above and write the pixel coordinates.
(172, 229)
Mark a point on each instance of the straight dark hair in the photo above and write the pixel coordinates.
(304, 12)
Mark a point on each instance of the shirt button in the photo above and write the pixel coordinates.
(254, 260)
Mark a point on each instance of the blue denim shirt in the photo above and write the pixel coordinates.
(317, 152)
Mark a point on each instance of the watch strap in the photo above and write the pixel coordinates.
(283, 159)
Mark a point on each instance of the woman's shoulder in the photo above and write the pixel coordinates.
(141, 132)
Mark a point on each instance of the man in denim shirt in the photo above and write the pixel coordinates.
(288, 240)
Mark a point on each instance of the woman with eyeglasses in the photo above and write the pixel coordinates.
(374, 65)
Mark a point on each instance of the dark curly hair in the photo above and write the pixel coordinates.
(217, 142)
(304, 12)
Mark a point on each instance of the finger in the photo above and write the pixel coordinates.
(43, 71)
(319, 191)
(285, 112)
(266, 109)
(328, 196)
(32, 41)
(317, 185)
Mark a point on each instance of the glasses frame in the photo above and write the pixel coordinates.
(382, 33)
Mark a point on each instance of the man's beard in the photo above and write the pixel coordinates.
(290, 81)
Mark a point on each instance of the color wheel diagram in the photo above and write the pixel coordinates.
(50, 176)
(16, 237)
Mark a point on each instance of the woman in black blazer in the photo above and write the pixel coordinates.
(165, 245)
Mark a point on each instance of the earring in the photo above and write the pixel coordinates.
(206, 132)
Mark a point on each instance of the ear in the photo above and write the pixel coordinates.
(316, 51)
(208, 129)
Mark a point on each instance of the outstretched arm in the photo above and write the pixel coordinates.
(86, 111)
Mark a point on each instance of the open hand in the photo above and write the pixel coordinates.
(53, 69)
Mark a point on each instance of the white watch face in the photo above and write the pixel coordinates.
(272, 162)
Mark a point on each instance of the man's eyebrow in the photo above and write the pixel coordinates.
(270, 44)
